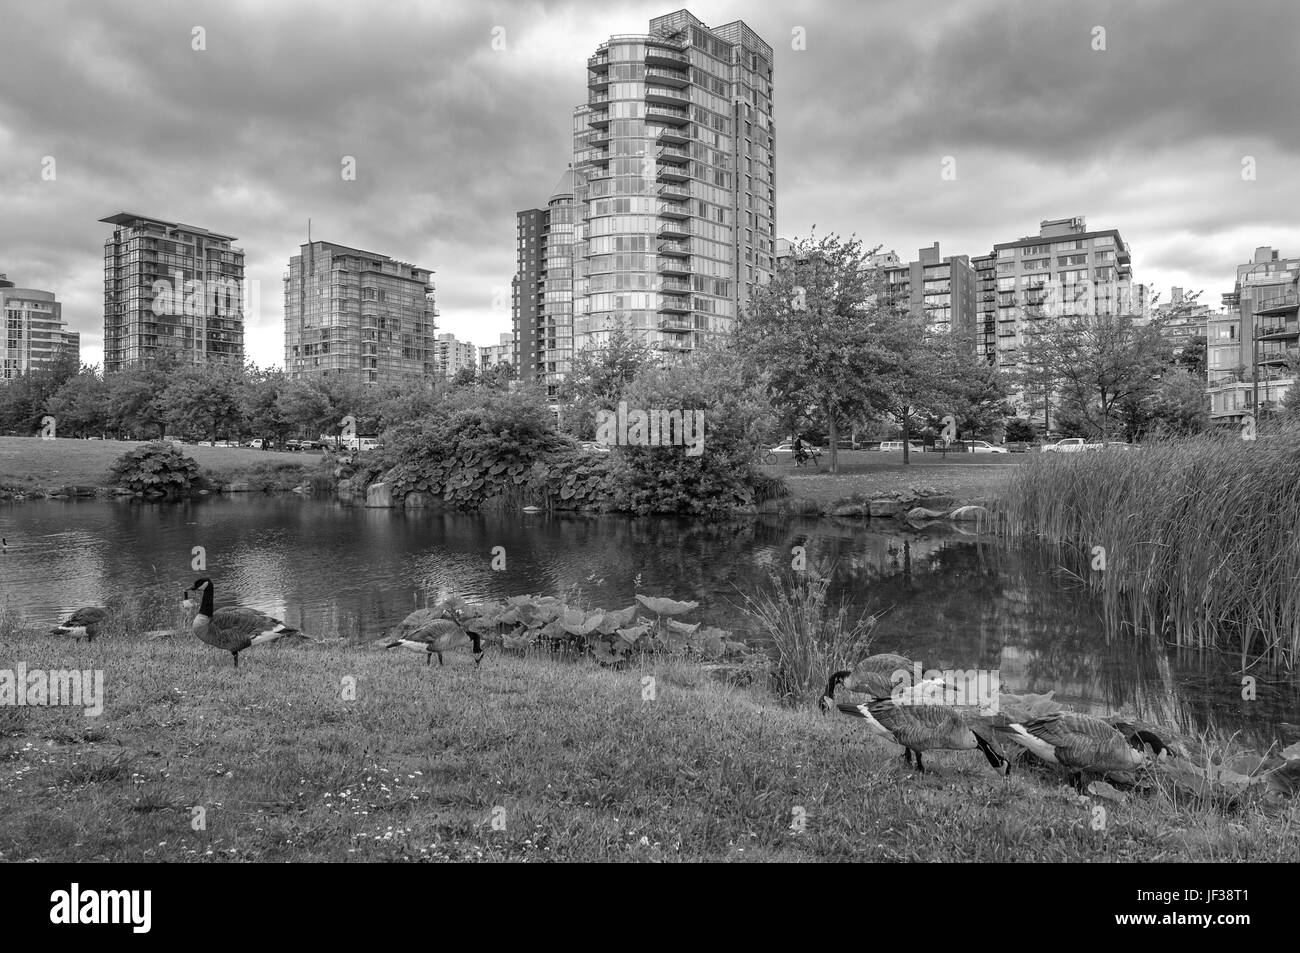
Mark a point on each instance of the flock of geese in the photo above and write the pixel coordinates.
(1086, 746)
(236, 628)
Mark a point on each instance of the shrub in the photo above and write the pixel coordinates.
(155, 466)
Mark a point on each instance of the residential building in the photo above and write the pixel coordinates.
(674, 154)
(171, 288)
(986, 308)
(1065, 270)
(1180, 319)
(360, 315)
(502, 353)
(542, 289)
(940, 290)
(454, 356)
(35, 334)
(1266, 304)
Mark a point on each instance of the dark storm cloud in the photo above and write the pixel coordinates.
(452, 136)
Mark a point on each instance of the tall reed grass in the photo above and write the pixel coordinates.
(1200, 535)
(809, 638)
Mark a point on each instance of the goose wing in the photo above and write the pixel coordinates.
(874, 675)
(242, 622)
(919, 726)
(440, 633)
(1082, 741)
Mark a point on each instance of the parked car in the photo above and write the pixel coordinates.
(259, 444)
(1020, 446)
(896, 446)
(225, 443)
(204, 443)
(590, 446)
(1066, 445)
(983, 446)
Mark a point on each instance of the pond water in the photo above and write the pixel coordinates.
(948, 599)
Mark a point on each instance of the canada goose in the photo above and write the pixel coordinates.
(430, 632)
(876, 675)
(925, 727)
(233, 628)
(1083, 744)
(84, 622)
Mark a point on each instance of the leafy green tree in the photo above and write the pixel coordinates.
(1194, 357)
(259, 403)
(1020, 430)
(205, 399)
(598, 377)
(81, 404)
(817, 333)
(135, 397)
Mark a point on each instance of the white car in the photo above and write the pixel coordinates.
(590, 446)
(1066, 445)
(983, 446)
(892, 446)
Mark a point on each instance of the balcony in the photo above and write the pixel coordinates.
(598, 62)
(671, 136)
(600, 139)
(673, 230)
(675, 249)
(598, 119)
(674, 267)
(666, 53)
(1277, 332)
(674, 154)
(1281, 304)
(672, 286)
(667, 96)
(598, 80)
(671, 173)
(674, 212)
(667, 77)
(668, 115)
(596, 99)
(671, 346)
(674, 193)
(676, 325)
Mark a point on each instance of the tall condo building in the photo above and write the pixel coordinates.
(542, 289)
(454, 356)
(35, 334)
(173, 288)
(676, 186)
(986, 308)
(940, 290)
(358, 314)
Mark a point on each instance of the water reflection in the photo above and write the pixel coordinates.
(948, 598)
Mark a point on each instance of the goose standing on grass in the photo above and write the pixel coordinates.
(925, 727)
(430, 632)
(84, 623)
(234, 628)
(1084, 744)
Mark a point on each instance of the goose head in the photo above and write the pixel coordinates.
(192, 598)
(836, 680)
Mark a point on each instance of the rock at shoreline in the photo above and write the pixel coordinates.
(78, 491)
(886, 508)
(240, 487)
(969, 514)
(937, 502)
(379, 495)
(921, 513)
(415, 500)
(852, 509)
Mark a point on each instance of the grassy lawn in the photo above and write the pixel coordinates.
(967, 476)
(29, 461)
(567, 757)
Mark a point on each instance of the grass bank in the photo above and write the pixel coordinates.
(28, 463)
(1199, 535)
(870, 474)
(570, 760)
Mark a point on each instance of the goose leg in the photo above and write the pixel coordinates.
(907, 755)
(441, 660)
(236, 655)
(919, 766)
(428, 658)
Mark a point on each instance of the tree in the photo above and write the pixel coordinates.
(465, 377)
(921, 378)
(816, 334)
(1094, 362)
(1020, 430)
(979, 398)
(135, 396)
(81, 405)
(598, 377)
(205, 399)
(259, 403)
(1178, 406)
(1193, 356)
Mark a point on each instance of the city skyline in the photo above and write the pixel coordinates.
(456, 120)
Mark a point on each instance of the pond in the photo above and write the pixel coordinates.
(947, 599)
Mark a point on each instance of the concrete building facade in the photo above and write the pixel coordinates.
(1265, 302)
(455, 356)
(940, 290)
(360, 315)
(500, 353)
(171, 288)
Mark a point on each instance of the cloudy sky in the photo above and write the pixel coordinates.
(451, 135)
